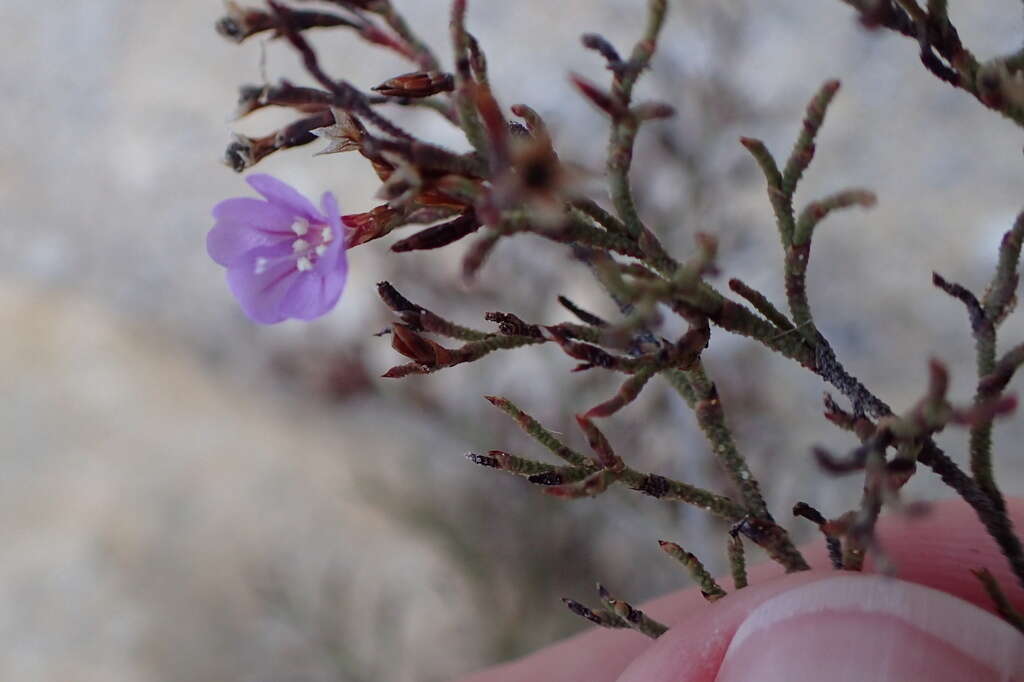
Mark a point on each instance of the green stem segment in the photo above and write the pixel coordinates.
(711, 418)
(711, 590)
(737, 562)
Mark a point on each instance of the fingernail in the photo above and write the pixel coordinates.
(857, 627)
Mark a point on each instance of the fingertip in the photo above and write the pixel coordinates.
(860, 627)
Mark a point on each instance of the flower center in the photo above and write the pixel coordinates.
(310, 243)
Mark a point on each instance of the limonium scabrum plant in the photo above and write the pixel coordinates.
(286, 258)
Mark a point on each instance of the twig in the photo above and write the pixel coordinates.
(737, 561)
(711, 590)
(1010, 614)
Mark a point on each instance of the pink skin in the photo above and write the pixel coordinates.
(936, 551)
(284, 258)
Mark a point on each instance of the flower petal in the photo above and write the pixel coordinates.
(335, 259)
(283, 195)
(307, 298)
(261, 290)
(228, 240)
(313, 294)
(260, 214)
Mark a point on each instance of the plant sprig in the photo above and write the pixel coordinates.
(514, 183)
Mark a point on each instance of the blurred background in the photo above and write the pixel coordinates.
(187, 496)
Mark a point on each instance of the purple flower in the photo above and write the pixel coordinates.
(285, 259)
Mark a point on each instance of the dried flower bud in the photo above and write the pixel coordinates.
(537, 167)
(419, 348)
(601, 617)
(410, 314)
(370, 225)
(250, 98)
(345, 135)
(591, 355)
(417, 84)
(511, 325)
(423, 215)
(244, 152)
(300, 132)
(606, 456)
(382, 168)
(241, 22)
(307, 100)
(370, 5)
(372, 33)
(998, 86)
(452, 189)
(439, 235)
(649, 111)
(477, 254)
(403, 184)
(536, 179)
(600, 44)
(601, 98)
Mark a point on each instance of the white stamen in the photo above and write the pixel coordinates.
(326, 234)
(300, 226)
(303, 264)
(260, 267)
(299, 245)
(320, 250)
